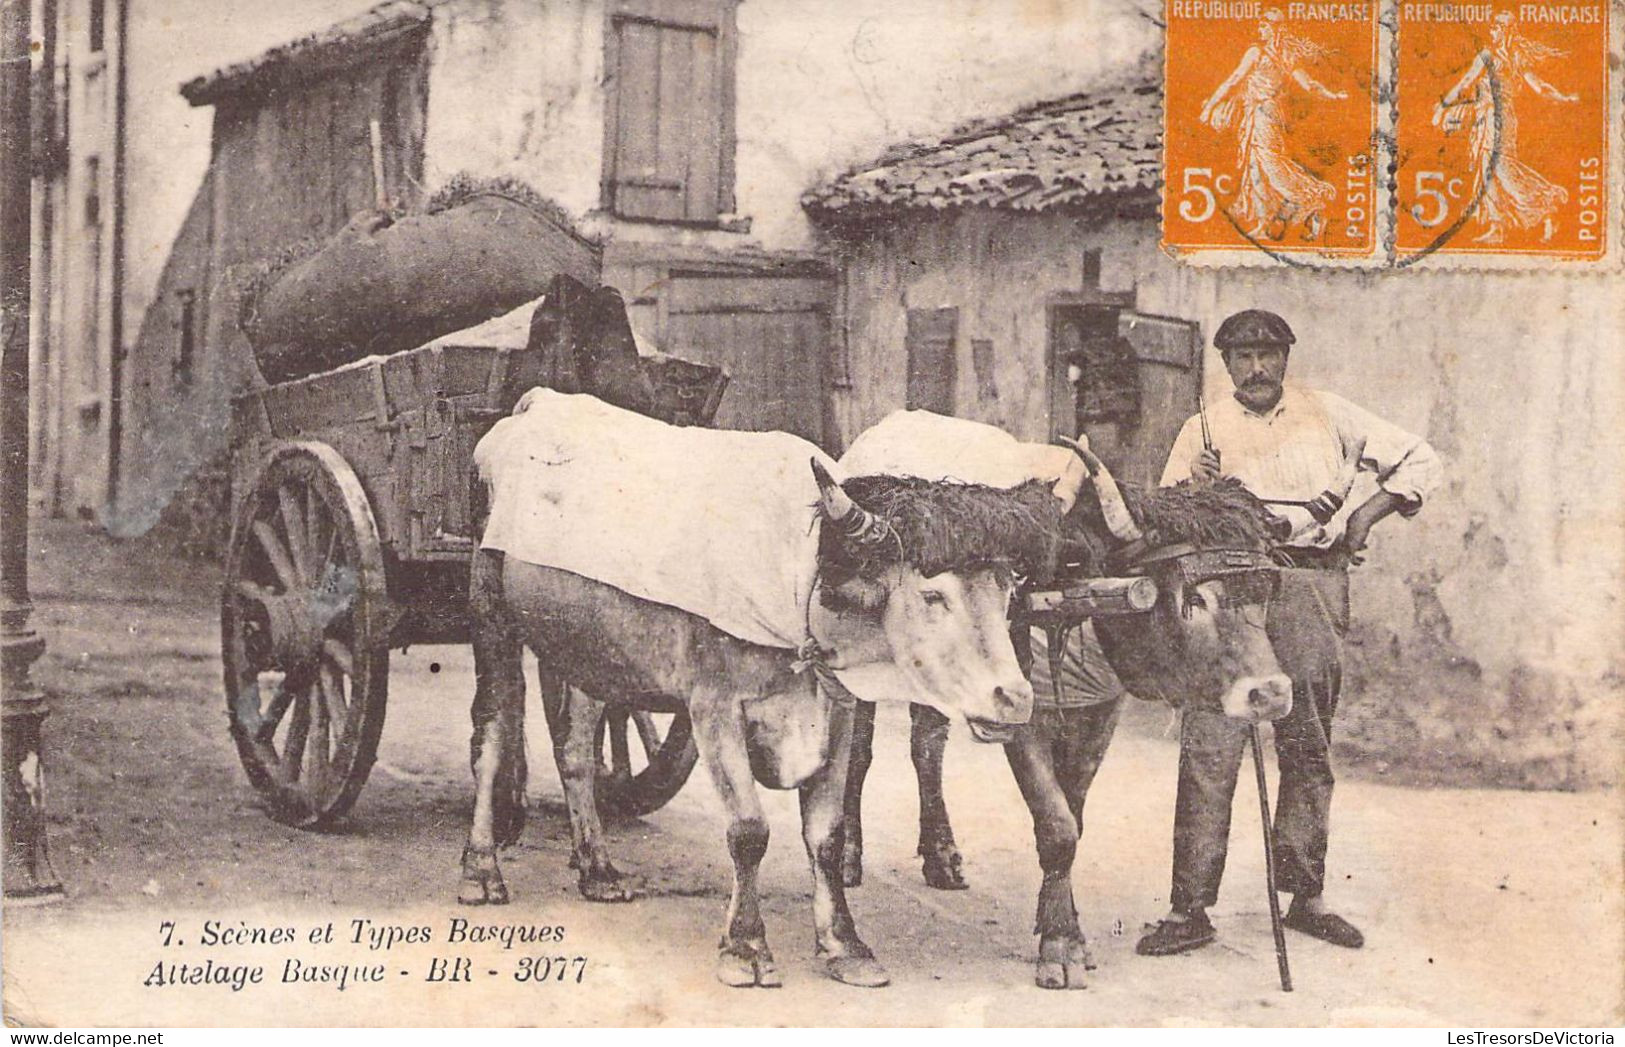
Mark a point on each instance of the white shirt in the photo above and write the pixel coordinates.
(1293, 452)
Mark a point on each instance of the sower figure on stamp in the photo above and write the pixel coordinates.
(1290, 446)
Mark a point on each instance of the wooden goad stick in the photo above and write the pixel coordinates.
(1269, 860)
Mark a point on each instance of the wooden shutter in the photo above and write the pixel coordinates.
(931, 359)
(667, 119)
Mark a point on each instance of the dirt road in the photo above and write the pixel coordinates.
(1479, 907)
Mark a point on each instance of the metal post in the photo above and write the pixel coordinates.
(28, 875)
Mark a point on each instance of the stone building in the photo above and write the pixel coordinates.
(1010, 271)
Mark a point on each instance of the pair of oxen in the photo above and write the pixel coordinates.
(915, 578)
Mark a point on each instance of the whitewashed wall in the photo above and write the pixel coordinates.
(1503, 594)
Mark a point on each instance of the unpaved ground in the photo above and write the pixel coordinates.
(1480, 907)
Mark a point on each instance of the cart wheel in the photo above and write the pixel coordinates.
(643, 757)
(304, 621)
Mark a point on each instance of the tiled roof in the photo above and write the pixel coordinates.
(336, 46)
(1076, 151)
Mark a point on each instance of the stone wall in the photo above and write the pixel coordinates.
(1488, 628)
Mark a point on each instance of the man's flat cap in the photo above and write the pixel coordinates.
(1253, 327)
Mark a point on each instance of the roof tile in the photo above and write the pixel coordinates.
(1059, 153)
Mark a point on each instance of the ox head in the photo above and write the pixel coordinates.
(926, 570)
(1205, 640)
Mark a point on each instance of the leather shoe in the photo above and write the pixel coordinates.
(1328, 927)
(1169, 937)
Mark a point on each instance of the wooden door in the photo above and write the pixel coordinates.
(770, 333)
(1130, 380)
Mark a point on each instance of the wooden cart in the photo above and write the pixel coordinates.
(355, 515)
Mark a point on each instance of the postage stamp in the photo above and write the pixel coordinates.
(1502, 138)
(1270, 123)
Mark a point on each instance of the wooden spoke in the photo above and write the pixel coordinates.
(293, 526)
(293, 751)
(313, 531)
(333, 694)
(272, 716)
(648, 732)
(278, 556)
(339, 654)
(250, 590)
(620, 757)
(316, 752)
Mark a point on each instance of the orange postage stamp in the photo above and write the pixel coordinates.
(1502, 137)
(1270, 127)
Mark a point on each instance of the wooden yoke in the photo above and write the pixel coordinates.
(1084, 598)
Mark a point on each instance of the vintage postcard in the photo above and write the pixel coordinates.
(602, 513)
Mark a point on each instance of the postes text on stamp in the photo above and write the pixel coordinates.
(1502, 137)
(1269, 127)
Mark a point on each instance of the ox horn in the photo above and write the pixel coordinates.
(1326, 505)
(1070, 484)
(856, 523)
(1112, 507)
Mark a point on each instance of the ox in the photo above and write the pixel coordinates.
(1205, 642)
(913, 586)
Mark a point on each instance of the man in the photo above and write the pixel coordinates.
(1287, 445)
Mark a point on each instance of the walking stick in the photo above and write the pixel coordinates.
(1269, 860)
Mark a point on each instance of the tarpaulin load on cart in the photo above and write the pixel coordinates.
(475, 250)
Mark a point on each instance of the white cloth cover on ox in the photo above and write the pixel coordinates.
(938, 447)
(718, 523)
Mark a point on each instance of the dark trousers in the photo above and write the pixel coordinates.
(1211, 746)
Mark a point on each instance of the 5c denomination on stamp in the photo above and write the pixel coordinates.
(1270, 123)
(1502, 138)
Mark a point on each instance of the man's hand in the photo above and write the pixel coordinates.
(1361, 520)
(1354, 537)
(1205, 467)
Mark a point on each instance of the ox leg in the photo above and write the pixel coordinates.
(846, 957)
(1063, 958)
(927, 739)
(574, 730)
(863, 754)
(743, 957)
(499, 686)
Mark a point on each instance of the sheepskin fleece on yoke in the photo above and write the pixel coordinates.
(721, 524)
(938, 447)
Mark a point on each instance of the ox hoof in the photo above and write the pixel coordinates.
(1063, 963)
(611, 888)
(862, 971)
(482, 879)
(942, 869)
(752, 970)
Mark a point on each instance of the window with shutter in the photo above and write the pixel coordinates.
(668, 113)
(930, 344)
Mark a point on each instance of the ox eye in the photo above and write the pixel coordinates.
(1196, 599)
(934, 598)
